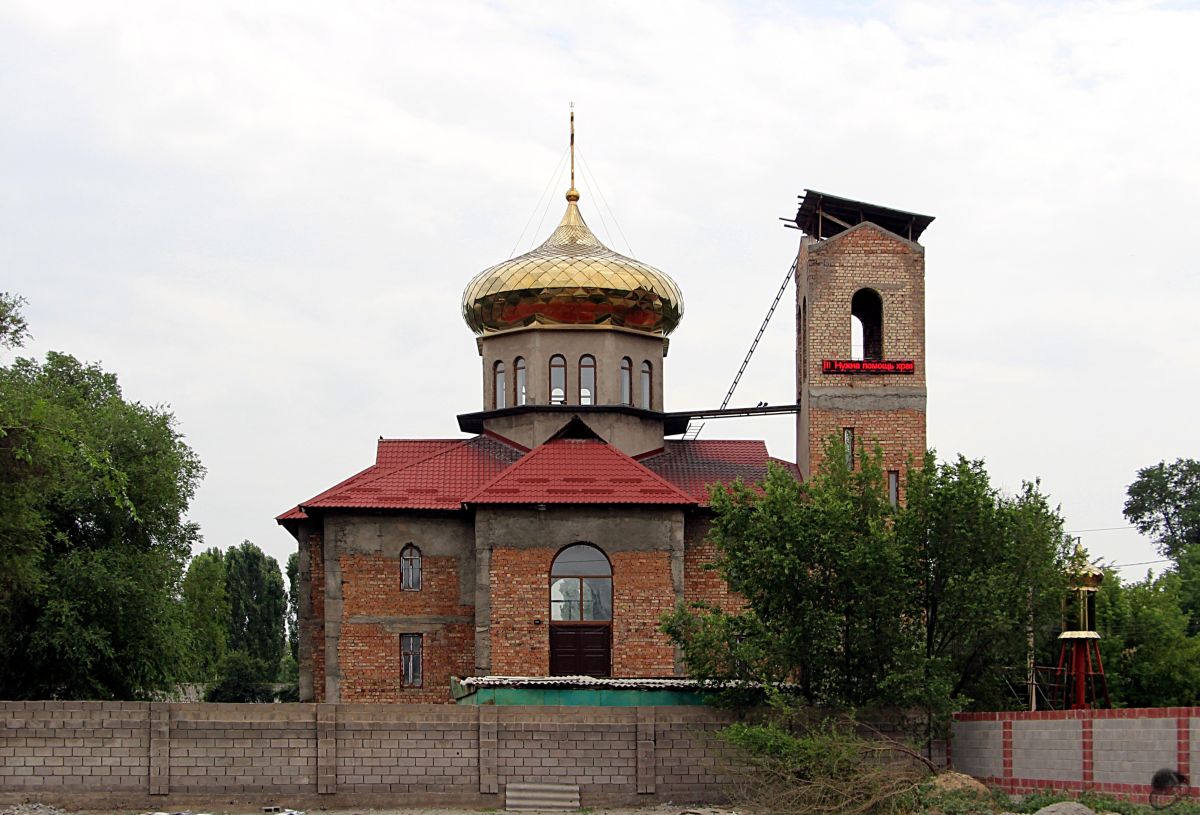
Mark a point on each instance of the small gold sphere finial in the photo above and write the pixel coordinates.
(572, 195)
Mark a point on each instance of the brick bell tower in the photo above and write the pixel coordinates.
(860, 321)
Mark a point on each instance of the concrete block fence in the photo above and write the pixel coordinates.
(125, 754)
(1114, 752)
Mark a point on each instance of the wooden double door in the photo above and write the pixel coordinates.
(580, 649)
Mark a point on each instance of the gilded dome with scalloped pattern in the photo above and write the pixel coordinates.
(572, 279)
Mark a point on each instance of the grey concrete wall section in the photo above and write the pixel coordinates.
(335, 533)
(895, 397)
(1048, 750)
(978, 748)
(1128, 751)
(630, 432)
(483, 601)
(613, 529)
(608, 345)
(304, 607)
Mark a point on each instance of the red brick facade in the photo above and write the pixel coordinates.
(369, 651)
(884, 408)
(701, 584)
(520, 597)
(642, 593)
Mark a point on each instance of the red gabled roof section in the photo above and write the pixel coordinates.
(426, 474)
(293, 514)
(402, 452)
(691, 465)
(579, 471)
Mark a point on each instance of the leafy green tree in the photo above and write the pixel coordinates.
(241, 680)
(856, 602)
(257, 605)
(293, 621)
(13, 328)
(816, 567)
(1164, 503)
(206, 613)
(1150, 659)
(93, 490)
(985, 567)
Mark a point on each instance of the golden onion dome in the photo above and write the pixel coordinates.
(572, 279)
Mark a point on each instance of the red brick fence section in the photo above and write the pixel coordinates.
(112, 754)
(1114, 752)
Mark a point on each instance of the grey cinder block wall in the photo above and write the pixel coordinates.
(93, 754)
(1114, 752)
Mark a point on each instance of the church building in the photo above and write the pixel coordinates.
(551, 538)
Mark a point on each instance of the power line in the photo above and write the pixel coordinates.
(1139, 563)
(1101, 529)
(553, 176)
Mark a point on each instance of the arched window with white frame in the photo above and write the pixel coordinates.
(410, 568)
(587, 380)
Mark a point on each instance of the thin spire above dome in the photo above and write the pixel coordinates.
(572, 279)
(572, 194)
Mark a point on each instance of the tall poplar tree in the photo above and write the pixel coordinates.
(257, 605)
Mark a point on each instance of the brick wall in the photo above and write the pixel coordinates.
(92, 754)
(520, 594)
(890, 408)
(900, 433)
(702, 585)
(642, 593)
(376, 612)
(1114, 752)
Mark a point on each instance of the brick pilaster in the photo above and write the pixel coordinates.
(326, 749)
(645, 750)
(160, 748)
(489, 783)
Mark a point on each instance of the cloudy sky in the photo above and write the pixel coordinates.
(263, 214)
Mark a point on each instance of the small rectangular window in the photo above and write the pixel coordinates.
(848, 441)
(410, 660)
(894, 487)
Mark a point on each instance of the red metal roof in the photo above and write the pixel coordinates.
(578, 471)
(693, 464)
(445, 473)
(439, 480)
(402, 452)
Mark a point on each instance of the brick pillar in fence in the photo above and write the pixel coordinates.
(489, 782)
(326, 748)
(160, 748)
(645, 750)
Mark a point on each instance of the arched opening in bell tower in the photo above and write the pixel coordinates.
(866, 325)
